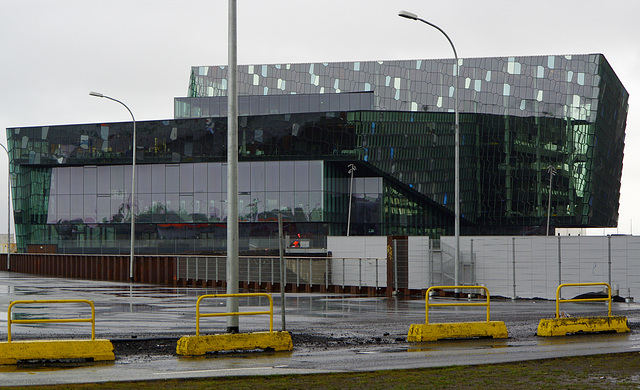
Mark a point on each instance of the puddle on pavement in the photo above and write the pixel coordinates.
(586, 337)
(50, 366)
(454, 344)
(250, 354)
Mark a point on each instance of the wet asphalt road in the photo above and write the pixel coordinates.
(331, 332)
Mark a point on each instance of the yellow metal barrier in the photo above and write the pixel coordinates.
(563, 325)
(13, 351)
(199, 345)
(430, 332)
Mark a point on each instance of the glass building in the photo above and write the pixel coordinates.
(302, 125)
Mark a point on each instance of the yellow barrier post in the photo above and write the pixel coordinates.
(561, 326)
(11, 352)
(199, 345)
(456, 330)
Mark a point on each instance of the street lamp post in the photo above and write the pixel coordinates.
(412, 16)
(8, 211)
(233, 237)
(133, 182)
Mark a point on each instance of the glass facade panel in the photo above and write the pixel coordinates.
(172, 179)
(186, 178)
(89, 180)
(158, 183)
(117, 179)
(244, 177)
(63, 182)
(287, 176)
(201, 178)
(144, 176)
(77, 185)
(103, 205)
(90, 203)
(297, 162)
(272, 176)
(103, 181)
(301, 176)
(257, 177)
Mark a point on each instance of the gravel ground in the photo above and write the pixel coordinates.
(337, 335)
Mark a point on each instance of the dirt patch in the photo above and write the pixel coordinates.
(154, 347)
(147, 347)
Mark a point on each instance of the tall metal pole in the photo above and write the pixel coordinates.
(232, 174)
(412, 16)
(133, 185)
(8, 210)
(352, 168)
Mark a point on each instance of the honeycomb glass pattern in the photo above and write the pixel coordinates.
(557, 86)
(573, 110)
(520, 118)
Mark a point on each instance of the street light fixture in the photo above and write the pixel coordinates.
(133, 182)
(412, 16)
(8, 211)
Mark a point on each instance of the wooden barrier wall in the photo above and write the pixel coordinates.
(148, 269)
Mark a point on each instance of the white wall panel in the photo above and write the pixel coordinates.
(583, 259)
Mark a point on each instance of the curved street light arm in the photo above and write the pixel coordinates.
(412, 16)
(133, 182)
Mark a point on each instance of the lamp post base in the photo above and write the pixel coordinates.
(233, 329)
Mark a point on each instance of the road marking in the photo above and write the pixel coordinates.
(218, 370)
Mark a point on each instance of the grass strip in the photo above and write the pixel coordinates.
(619, 371)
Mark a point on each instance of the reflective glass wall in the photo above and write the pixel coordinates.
(550, 85)
(89, 208)
(71, 184)
(216, 106)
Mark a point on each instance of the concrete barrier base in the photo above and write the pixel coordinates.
(564, 326)
(457, 330)
(15, 351)
(199, 345)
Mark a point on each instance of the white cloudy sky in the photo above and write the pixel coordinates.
(53, 52)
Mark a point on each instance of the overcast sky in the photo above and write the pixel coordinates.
(54, 52)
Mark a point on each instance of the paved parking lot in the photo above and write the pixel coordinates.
(331, 332)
